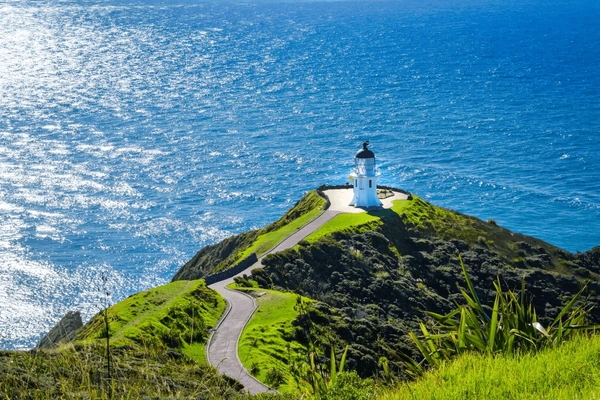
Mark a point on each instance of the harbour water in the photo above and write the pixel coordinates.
(134, 132)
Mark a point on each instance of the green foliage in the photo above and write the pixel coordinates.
(79, 372)
(372, 278)
(364, 300)
(242, 281)
(305, 211)
(177, 316)
(269, 339)
(254, 368)
(565, 372)
(350, 386)
(321, 380)
(451, 225)
(386, 373)
(346, 223)
(274, 377)
(512, 327)
(232, 250)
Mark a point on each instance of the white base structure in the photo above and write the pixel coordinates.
(364, 179)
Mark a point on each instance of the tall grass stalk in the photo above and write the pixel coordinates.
(105, 305)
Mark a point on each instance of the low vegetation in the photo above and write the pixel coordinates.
(173, 316)
(510, 327)
(446, 224)
(268, 348)
(267, 241)
(78, 370)
(373, 283)
(354, 223)
(339, 316)
(156, 351)
(229, 252)
(569, 371)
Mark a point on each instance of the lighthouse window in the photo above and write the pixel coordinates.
(370, 183)
(355, 183)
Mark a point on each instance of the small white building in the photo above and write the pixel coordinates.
(364, 179)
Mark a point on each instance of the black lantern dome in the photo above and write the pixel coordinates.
(364, 152)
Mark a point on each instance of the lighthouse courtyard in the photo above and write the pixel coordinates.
(340, 200)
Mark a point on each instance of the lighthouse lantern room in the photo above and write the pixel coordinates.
(364, 179)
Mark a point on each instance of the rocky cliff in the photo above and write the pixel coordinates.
(64, 331)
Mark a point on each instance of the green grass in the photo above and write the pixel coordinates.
(570, 371)
(267, 340)
(448, 224)
(441, 222)
(345, 222)
(267, 241)
(176, 315)
(307, 209)
(78, 371)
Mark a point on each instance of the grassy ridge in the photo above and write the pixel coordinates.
(156, 351)
(378, 270)
(346, 222)
(448, 225)
(176, 315)
(78, 371)
(451, 225)
(224, 255)
(308, 208)
(571, 371)
(157, 337)
(267, 342)
(266, 241)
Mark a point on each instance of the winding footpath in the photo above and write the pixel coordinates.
(222, 350)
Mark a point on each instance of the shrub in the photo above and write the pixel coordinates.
(242, 281)
(512, 327)
(349, 386)
(254, 368)
(274, 378)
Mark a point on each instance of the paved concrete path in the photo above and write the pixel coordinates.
(222, 349)
(223, 345)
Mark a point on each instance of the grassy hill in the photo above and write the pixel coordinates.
(366, 279)
(156, 351)
(229, 252)
(268, 347)
(173, 316)
(375, 273)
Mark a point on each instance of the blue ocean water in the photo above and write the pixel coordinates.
(133, 133)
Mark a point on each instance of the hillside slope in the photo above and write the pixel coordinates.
(570, 371)
(374, 279)
(156, 351)
(176, 316)
(230, 251)
(372, 275)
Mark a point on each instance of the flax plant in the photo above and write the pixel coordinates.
(512, 327)
(321, 381)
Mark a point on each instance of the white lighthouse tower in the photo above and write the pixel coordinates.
(364, 178)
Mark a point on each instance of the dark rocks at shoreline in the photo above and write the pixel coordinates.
(63, 331)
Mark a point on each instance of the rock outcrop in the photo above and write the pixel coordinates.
(63, 331)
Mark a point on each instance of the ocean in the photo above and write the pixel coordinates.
(135, 132)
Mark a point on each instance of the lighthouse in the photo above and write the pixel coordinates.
(364, 178)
